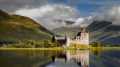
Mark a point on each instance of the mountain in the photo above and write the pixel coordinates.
(15, 27)
(105, 32)
(97, 25)
(69, 31)
(4, 15)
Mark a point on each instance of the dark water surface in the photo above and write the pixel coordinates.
(69, 58)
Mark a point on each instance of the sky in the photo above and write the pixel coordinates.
(85, 7)
(48, 12)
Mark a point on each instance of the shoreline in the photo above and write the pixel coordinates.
(61, 48)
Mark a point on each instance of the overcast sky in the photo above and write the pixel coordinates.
(48, 11)
(85, 7)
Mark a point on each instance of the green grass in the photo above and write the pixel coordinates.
(61, 48)
(55, 48)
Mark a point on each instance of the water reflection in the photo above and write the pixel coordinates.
(70, 58)
(81, 57)
(60, 58)
(104, 58)
(26, 58)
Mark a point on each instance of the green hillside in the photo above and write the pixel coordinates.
(15, 27)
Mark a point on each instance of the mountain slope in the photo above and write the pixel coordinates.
(105, 32)
(15, 27)
(69, 31)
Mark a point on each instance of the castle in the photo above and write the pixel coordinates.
(82, 38)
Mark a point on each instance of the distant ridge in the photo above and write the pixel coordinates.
(104, 31)
(15, 27)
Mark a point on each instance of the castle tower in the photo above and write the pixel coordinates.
(84, 36)
(67, 40)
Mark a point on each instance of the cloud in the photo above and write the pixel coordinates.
(48, 14)
(111, 14)
(44, 11)
(12, 5)
(78, 22)
(34, 12)
(83, 21)
(114, 14)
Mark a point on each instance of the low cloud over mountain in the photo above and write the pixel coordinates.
(50, 14)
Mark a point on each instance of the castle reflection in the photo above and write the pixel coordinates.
(78, 58)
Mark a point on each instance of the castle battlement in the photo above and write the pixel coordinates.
(82, 38)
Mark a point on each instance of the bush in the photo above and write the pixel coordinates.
(31, 44)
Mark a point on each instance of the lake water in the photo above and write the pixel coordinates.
(64, 58)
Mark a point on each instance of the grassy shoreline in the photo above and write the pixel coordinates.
(31, 48)
(61, 48)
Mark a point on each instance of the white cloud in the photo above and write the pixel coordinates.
(34, 12)
(111, 14)
(114, 14)
(83, 21)
(48, 13)
(79, 21)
